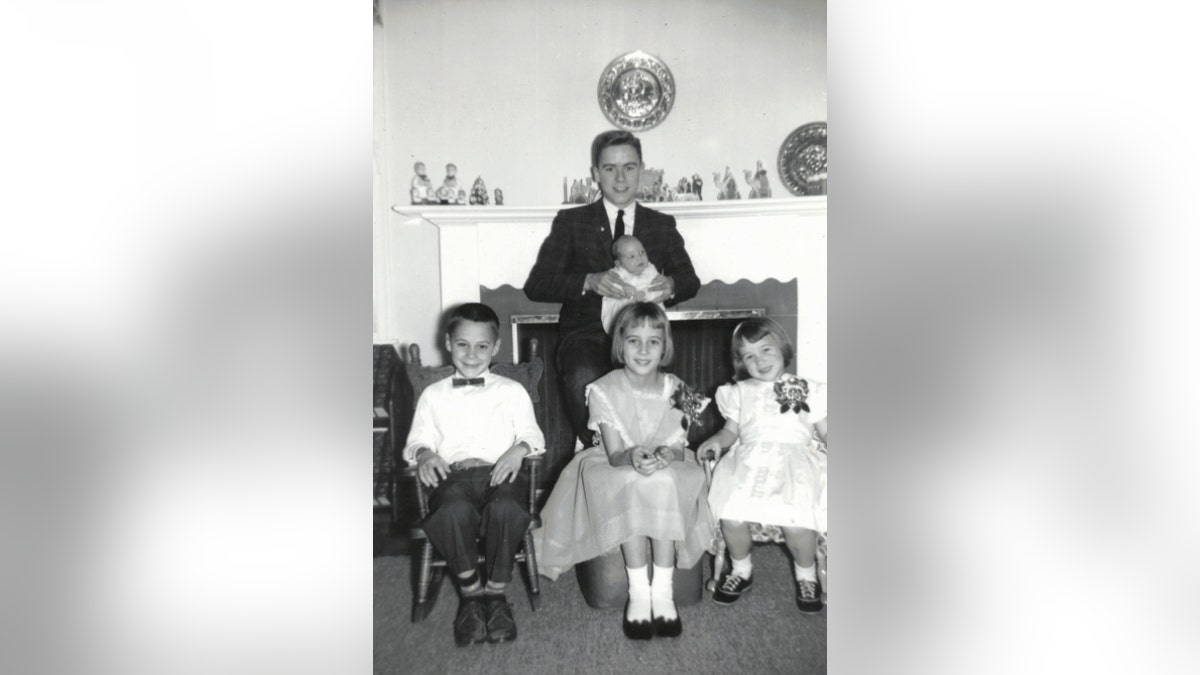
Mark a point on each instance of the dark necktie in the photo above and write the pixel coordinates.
(620, 230)
(464, 382)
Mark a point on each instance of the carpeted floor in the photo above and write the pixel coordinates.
(761, 633)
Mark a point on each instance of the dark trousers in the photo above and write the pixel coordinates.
(583, 357)
(464, 507)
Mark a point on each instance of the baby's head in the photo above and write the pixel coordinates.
(761, 349)
(629, 253)
(472, 338)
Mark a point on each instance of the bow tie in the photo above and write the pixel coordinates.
(465, 382)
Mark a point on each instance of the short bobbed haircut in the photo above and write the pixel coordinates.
(753, 330)
(473, 311)
(635, 315)
(614, 137)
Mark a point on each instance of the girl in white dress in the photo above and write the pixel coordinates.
(775, 475)
(641, 488)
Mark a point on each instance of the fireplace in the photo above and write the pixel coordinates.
(762, 256)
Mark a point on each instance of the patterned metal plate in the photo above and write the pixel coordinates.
(802, 160)
(636, 91)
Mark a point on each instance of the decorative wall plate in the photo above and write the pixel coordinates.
(636, 91)
(802, 160)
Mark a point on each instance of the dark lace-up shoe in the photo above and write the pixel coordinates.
(731, 588)
(469, 625)
(808, 597)
(501, 626)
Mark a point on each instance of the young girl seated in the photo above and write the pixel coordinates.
(775, 475)
(640, 485)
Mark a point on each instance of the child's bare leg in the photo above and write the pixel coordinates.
(737, 538)
(802, 544)
(634, 551)
(637, 612)
(664, 552)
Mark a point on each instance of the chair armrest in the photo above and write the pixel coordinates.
(533, 463)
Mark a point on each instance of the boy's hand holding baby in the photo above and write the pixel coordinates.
(608, 284)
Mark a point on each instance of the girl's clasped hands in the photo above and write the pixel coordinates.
(646, 461)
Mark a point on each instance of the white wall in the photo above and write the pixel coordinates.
(507, 91)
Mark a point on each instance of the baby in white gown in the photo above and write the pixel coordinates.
(635, 269)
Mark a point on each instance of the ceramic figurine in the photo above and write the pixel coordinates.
(697, 185)
(726, 185)
(450, 192)
(499, 197)
(422, 187)
(759, 187)
(479, 193)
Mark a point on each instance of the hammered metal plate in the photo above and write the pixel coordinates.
(802, 160)
(636, 91)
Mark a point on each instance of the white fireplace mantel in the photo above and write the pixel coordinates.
(751, 239)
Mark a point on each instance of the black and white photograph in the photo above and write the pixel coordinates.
(608, 284)
(601, 380)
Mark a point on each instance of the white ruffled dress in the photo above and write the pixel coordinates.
(776, 472)
(595, 507)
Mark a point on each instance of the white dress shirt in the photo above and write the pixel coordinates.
(480, 422)
(612, 216)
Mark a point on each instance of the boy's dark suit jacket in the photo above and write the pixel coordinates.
(580, 243)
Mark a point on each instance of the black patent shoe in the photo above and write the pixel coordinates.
(636, 630)
(469, 625)
(668, 627)
(808, 597)
(501, 626)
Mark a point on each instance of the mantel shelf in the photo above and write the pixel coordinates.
(473, 215)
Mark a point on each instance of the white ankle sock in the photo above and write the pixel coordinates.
(805, 573)
(742, 568)
(662, 592)
(639, 593)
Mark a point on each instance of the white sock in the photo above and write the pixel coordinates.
(805, 573)
(742, 568)
(639, 593)
(662, 592)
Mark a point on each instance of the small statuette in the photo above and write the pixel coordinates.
(697, 186)
(422, 187)
(726, 185)
(450, 192)
(759, 187)
(479, 193)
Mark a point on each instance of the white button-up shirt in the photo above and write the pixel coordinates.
(611, 211)
(480, 422)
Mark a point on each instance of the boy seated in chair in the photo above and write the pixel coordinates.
(469, 435)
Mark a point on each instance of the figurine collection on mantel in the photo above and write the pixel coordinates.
(652, 187)
(450, 192)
